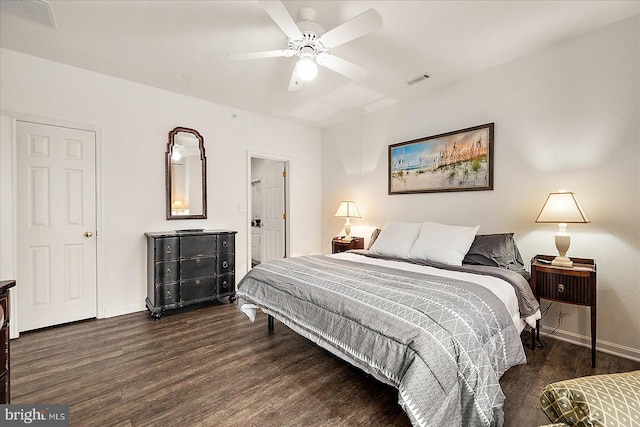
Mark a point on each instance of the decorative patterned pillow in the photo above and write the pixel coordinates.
(594, 401)
(373, 237)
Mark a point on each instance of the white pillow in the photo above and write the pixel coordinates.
(447, 244)
(396, 238)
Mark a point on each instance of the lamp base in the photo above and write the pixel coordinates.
(562, 261)
(563, 241)
(347, 229)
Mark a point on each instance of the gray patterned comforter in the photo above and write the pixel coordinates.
(443, 343)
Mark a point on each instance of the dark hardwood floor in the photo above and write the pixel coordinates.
(210, 366)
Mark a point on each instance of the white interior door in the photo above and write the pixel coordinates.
(273, 228)
(56, 225)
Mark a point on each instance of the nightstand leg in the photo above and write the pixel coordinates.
(533, 338)
(537, 326)
(270, 323)
(593, 337)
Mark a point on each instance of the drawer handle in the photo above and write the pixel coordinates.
(197, 260)
(560, 287)
(224, 244)
(225, 264)
(225, 284)
(167, 295)
(168, 272)
(168, 250)
(197, 281)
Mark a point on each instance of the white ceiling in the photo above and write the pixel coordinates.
(182, 46)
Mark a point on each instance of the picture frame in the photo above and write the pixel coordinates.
(461, 160)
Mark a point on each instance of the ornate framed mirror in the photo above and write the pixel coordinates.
(186, 175)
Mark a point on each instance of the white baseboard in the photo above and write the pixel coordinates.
(112, 312)
(585, 341)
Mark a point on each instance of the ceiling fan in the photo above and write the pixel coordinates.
(312, 45)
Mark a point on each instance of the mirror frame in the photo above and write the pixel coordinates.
(203, 158)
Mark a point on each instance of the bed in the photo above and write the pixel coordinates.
(440, 331)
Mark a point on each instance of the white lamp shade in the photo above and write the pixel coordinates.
(178, 205)
(348, 209)
(562, 207)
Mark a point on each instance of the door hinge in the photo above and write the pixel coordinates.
(284, 216)
(284, 174)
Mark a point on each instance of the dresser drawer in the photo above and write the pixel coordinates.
(4, 360)
(197, 267)
(193, 246)
(565, 288)
(167, 249)
(225, 263)
(4, 388)
(197, 289)
(226, 284)
(166, 272)
(167, 295)
(226, 244)
(5, 310)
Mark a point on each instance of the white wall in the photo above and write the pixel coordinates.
(133, 123)
(565, 117)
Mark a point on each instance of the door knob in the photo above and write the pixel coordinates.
(88, 234)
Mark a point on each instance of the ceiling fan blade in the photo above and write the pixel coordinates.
(358, 26)
(280, 15)
(342, 66)
(264, 54)
(296, 82)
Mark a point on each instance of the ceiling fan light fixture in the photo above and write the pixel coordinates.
(306, 68)
(312, 44)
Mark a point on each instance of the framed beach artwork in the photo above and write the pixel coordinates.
(461, 160)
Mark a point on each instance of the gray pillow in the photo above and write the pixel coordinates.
(495, 250)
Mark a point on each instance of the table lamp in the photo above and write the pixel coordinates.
(347, 209)
(562, 208)
(178, 208)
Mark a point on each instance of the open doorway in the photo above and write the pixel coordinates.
(268, 208)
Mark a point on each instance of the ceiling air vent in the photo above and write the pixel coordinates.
(37, 11)
(418, 79)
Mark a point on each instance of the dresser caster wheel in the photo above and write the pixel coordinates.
(156, 316)
(232, 298)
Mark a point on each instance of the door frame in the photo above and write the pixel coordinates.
(13, 184)
(287, 198)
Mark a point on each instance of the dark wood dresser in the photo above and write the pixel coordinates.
(5, 388)
(185, 268)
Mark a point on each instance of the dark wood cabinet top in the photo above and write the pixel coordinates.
(6, 284)
(176, 233)
(580, 265)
